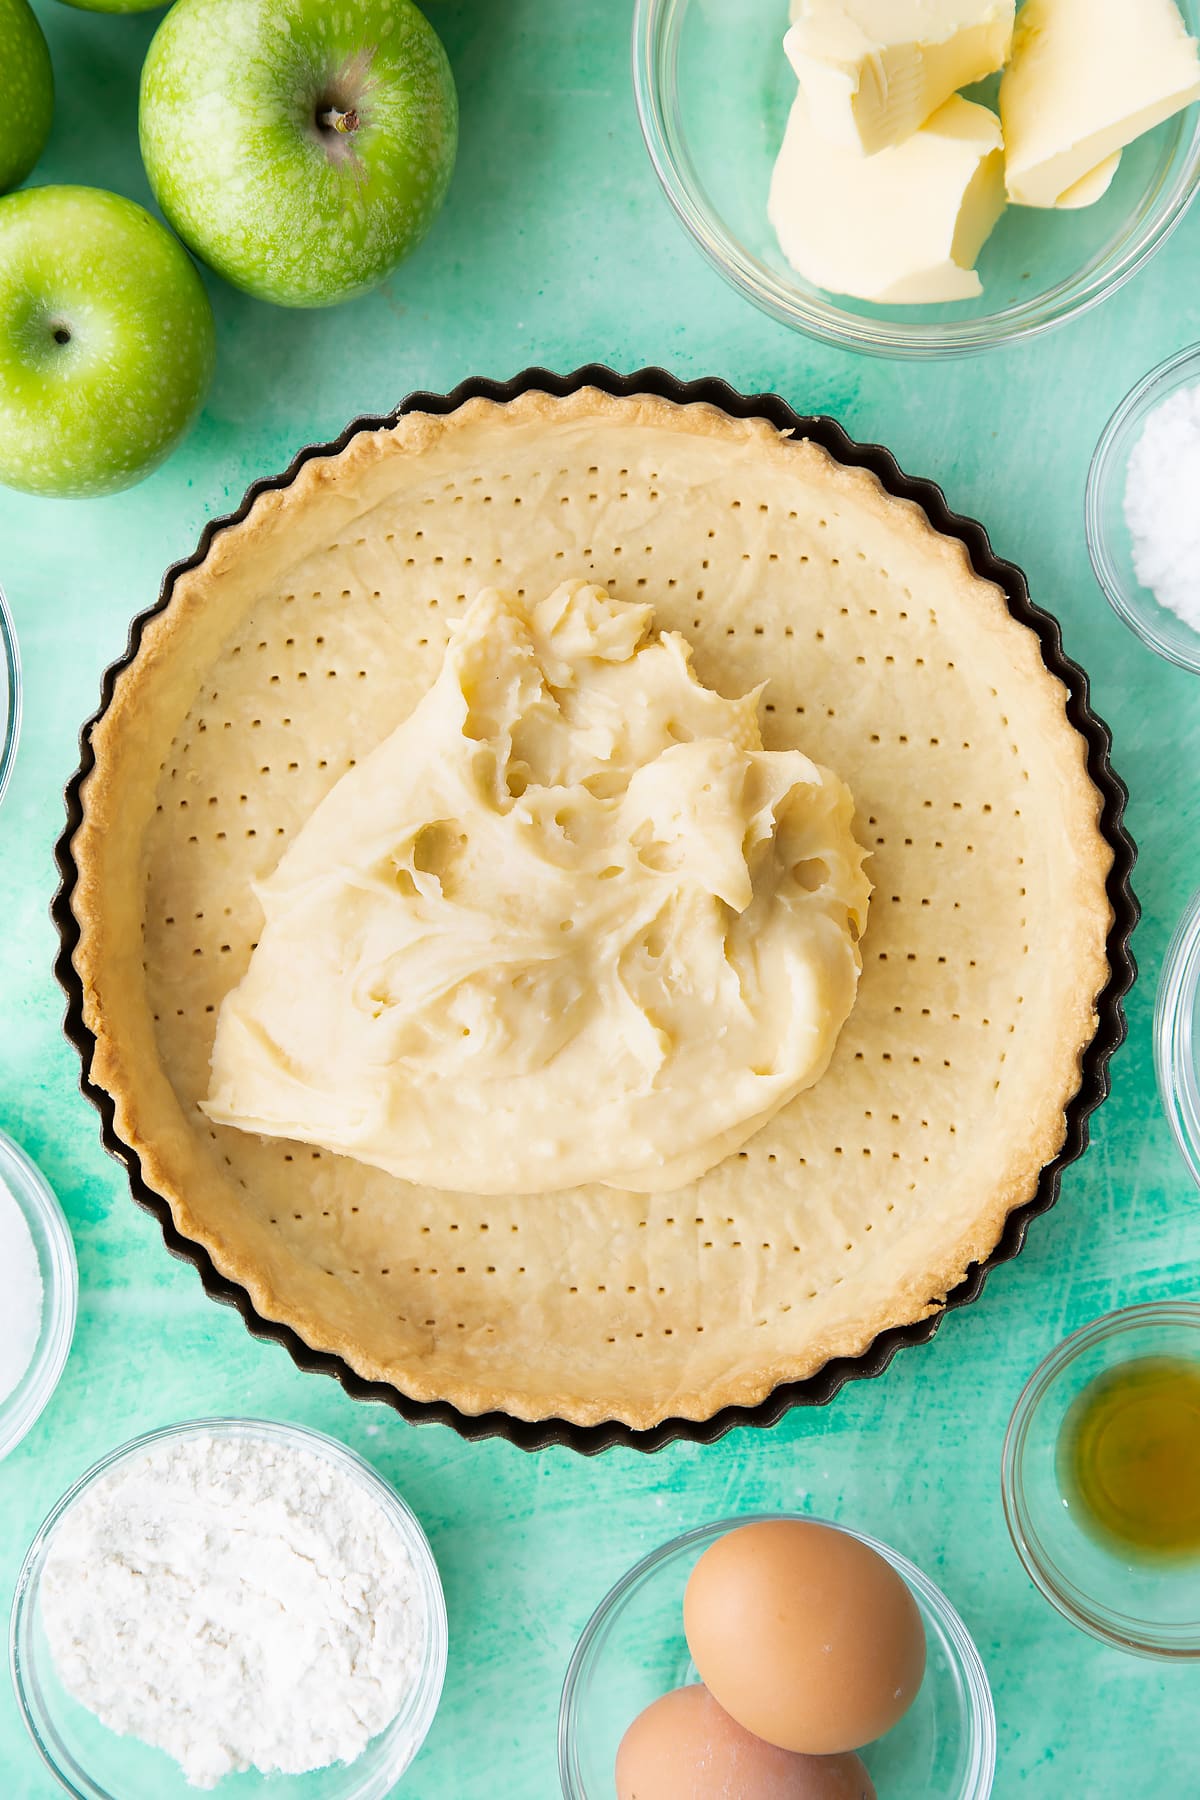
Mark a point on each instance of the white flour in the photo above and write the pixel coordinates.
(21, 1315)
(1162, 504)
(238, 1603)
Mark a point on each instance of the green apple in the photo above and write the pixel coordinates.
(26, 92)
(106, 341)
(116, 6)
(300, 147)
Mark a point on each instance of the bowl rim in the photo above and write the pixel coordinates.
(10, 673)
(1174, 1012)
(1094, 1085)
(1118, 1630)
(821, 317)
(935, 1600)
(427, 1689)
(39, 1205)
(1101, 470)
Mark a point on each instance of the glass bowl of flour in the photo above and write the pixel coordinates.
(37, 1320)
(231, 1606)
(1142, 510)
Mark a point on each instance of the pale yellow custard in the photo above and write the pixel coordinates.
(569, 923)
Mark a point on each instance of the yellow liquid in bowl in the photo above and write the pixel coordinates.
(1129, 1456)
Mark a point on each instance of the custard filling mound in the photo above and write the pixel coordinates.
(569, 923)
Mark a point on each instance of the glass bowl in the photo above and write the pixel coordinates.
(10, 694)
(713, 89)
(93, 1763)
(60, 1292)
(1109, 542)
(1175, 1035)
(1149, 1607)
(633, 1649)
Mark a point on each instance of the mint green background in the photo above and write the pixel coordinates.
(557, 247)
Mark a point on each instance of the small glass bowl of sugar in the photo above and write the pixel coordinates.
(41, 1290)
(1142, 510)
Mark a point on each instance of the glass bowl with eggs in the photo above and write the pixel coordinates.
(1100, 1479)
(864, 1683)
(855, 188)
(1141, 513)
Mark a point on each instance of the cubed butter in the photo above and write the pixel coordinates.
(1093, 187)
(1086, 78)
(901, 228)
(873, 71)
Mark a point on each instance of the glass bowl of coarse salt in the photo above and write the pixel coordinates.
(229, 1604)
(1142, 510)
(41, 1290)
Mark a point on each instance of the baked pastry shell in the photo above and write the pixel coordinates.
(819, 1388)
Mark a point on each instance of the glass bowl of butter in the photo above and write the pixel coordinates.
(817, 181)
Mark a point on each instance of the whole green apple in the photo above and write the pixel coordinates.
(106, 341)
(300, 147)
(26, 92)
(116, 6)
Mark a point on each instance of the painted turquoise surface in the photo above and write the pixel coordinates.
(556, 247)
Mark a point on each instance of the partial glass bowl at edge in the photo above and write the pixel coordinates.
(713, 90)
(1109, 543)
(10, 694)
(51, 1236)
(93, 1763)
(633, 1650)
(1176, 1039)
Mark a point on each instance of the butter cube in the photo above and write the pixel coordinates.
(1093, 187)
(901, 228)
(873, 71)
(1086, 78)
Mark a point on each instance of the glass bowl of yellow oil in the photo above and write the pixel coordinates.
(1101, 1479)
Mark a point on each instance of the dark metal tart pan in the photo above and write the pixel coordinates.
(820, 1388)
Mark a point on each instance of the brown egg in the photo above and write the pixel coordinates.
(808, 1638)
(684, 1747)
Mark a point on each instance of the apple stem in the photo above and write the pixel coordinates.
(334, 119)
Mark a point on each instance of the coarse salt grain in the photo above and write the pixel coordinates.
(21, 1313)
(1162, 504)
